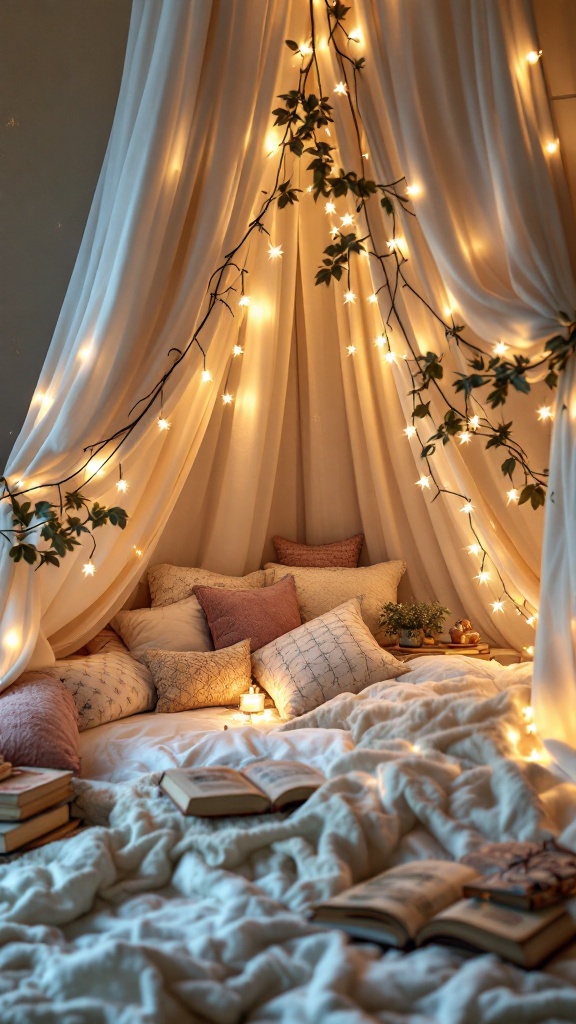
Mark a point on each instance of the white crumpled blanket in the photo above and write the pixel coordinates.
(153, 918)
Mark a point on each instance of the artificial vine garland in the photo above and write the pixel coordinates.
(45, 532)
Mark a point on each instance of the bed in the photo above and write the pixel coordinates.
(152, 917)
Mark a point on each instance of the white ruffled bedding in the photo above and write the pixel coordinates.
(161, 919)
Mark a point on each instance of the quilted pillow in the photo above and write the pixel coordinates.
(343, 553)
(320, 590)
(105, 687)
(334, 653)
(171, 583)
(39, 723)
(255, 615)
(199, 679)
(174, 627)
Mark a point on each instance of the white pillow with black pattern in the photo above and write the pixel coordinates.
(334, 653)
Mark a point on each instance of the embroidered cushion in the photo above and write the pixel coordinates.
(343, 553)
(105, 686)
(320, 590)
(39, 723)
(199, 679)
(171, 583)
(174, 627)
(334, 653)
(255, 615)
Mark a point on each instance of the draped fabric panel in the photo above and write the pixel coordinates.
(312, 445)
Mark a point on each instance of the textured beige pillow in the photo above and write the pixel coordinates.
(171, 583)
(105, 686)
(175, 627)
(320, 590)
(186, 680)
(334, 653)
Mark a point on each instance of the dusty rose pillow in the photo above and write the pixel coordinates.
(343, 554)
(39, 723)
(259, 616)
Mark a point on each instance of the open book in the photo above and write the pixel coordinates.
(420, 902)
(262, 786)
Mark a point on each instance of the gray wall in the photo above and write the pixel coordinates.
(60, 70)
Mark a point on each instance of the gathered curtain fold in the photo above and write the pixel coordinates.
(312, 444)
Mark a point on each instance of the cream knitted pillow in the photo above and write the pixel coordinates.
(334, 653)
(320, 590)
(186, 680)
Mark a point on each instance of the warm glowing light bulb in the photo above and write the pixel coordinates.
(483, 576)
(464, 437)
(545, 412)
(207, 376)
(410, 431)
(390, 357)
(468, 508)
(122, 485)
(330, 207)
(532, 620)
(497, 606)
(340, 88)
(85, 353)
(395, 243)
(528, 713)
(413, 190)
(11, 639)
(349, 297)
(309, 189)
(473, 423)
(237, 350)
(380, 341)
(355, 36)
(305, 49)
(351, 350)
(372, 299)
(500, 349)
(347, 220)
(89, 569)
(474, 549)
(529, 651)
(334, 232)
(513, 496)
(138, 552)
(227, 398)
(423, 482)
(533, 56)
(552, 147)
(365, 156)
(163, 424)
(275, 252)
(244, 300)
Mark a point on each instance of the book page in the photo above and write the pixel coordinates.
(410, 893)
(506, 922)
(210, 781)
(278, 777)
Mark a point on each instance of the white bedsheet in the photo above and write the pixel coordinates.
(161, 919)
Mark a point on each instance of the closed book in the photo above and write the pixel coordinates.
(62, 832)
(522, 874)
(14, 834)
(26, 785)
(15, 812)
(262, 786)
(417, 903)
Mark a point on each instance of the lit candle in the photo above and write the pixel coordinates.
(252, 702)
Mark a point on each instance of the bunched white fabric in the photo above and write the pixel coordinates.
(332, 654)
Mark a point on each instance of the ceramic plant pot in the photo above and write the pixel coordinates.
(410, 638)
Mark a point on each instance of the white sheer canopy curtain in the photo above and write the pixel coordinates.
(175, 192)
(449, 81)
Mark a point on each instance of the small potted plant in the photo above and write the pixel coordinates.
(412, 622)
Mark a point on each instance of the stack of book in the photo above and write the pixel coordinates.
(34, 807)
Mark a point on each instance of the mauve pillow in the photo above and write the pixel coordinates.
(39, 723)
(342, 554)
(259, 616)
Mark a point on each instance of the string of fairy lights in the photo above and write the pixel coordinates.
(230, 276)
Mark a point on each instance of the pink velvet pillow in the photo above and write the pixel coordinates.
(39, 723)
(259, 616)
(343, 554)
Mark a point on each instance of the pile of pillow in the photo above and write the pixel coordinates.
(304, 627)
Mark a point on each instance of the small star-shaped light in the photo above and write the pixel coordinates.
(351, 350)
(413, 190)
(474, 549)
(500, 349)
(410, 431)
(330, 207)
(237, 350)
(473, 423)
(138, 552)
(390, 357)
(423, 482)
(464, 437)
(513, 496)
(532, 620)
(483, 576)
(380, 341)
(206, 376)
(340, 89)
(497, 606)
(163, 424)
(347, 220)
(244, 300)
(227, 398)
(394, 243)
(334, 232)
(275, 252)
(468, 508)
(89, 569)
(552, 147)
(349, 297)
(545, 413)
(122, 485)
(533, 56)
(373, 299)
